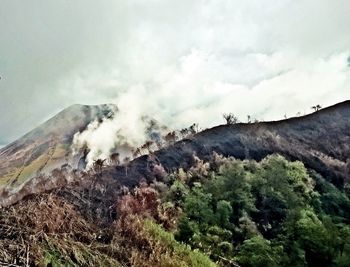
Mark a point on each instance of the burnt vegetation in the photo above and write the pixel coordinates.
(240, 194)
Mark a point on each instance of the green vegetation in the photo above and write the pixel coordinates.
(182, 255)
(271, 213)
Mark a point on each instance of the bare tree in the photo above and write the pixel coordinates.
(147, 146)
(126, 162)
(136, 153)
(193, 128)
(316, 108)
(170, 138)
(249, 119)
(230, 118)
(98, 165)
(184, 132)
(114, 159)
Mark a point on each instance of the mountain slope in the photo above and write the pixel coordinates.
(320, 140)
(47, 146)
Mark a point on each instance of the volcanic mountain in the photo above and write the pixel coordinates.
(47, 146)
(320, 140)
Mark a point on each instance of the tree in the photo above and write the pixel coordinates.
(316, 108)
(259, 252)
(126, 162)
(197, 206)
(114, 159)
(193, 128)
(136, 153)
(147, 146)
(279, 186)
(185, 230)
(232, 185)
(177, 192)
(230, 118)
(184, 132)
(170, 138)
(314, 238)
(98, 165)
(223, 213)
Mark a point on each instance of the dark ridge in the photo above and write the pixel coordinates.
(320, 140)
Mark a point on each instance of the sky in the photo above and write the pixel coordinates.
(180, 61)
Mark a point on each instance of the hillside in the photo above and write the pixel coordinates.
(320, 140)
(46, 147)
(225, 212)
(257, 194)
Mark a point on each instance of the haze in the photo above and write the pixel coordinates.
(177, 61)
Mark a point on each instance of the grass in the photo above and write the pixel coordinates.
(65, 252)
(189, 257)
(32, 168)
(159, 247)
(6, 179)
(35, 165)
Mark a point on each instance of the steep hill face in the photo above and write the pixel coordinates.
(320, 140)
(47, 146)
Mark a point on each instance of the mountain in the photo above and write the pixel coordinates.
(246, 194)
(47, 146)
(320, 140)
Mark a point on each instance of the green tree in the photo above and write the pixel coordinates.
(316, 240)
(177, 192)
(186, 230)
(198, 206)
(259, 252)
(232, 184)
(279, 186)
(223, 213)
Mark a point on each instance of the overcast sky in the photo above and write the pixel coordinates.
(180, 61)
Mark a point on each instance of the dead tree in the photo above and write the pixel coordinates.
(98, 165)
(126, 162)
(316, 108)
(230, 118)
(184, 133)
(147, 146)
(193, 128)
(170, 138)
(114, 159)
(249, 119)
(136, 153)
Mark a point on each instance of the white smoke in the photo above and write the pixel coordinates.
(194, 93)
(245, 57)
(121, 131)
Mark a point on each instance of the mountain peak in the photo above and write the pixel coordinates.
(47, 146)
